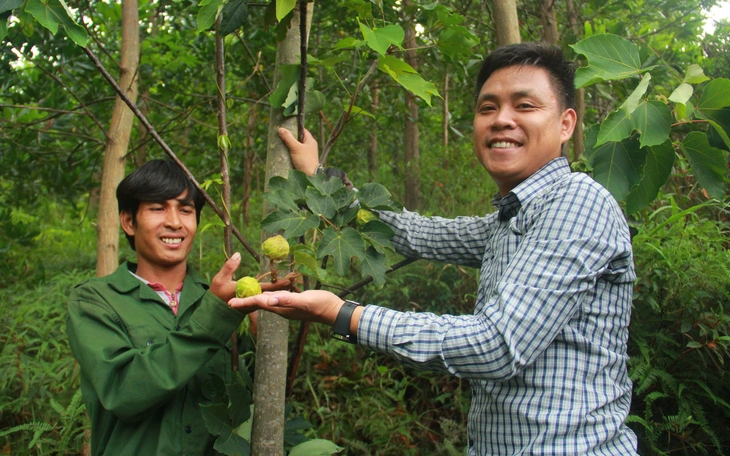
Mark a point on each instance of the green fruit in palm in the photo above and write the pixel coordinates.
(247, 286)
(364, 216)
(276, 248)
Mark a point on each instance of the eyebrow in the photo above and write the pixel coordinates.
(518, 94)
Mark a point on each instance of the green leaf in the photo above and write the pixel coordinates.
(682, 93)
(695, 75)
(215, 417)
(284, 7)
(658, 167)
(394, 66)
(9, 5)
(379, 40)
(348, 42)
(54, 13)
(342, 245)
(713, 106)
(233, 16)
(616, 165)
(293, 223)
(207, 14)
(232, 443)
(296, 184)
(406, 76)
(4, 24)
(373, 264)
(321, 205)
(609, 57)
(456, 42)
(617, 126)
(315, 447)
(282, 200)
(315, 101)
(378, 235)
(289, 78)
(633, 100)
(307, 263)
(374, 196)
(343, 198)
(694, 344)
(325, 184)
(344, 217)
(653, 119)
(708, 163)
(240, 400)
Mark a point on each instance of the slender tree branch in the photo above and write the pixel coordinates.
(369, 279)
(302, 68)
(254, 60)
(143, 120)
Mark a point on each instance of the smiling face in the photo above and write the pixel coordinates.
(163, 235)
(519, 124)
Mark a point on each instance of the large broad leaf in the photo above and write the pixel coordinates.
(379, 40)
(616, 165)
(284, 7)
(342, 245)
(240, 400)
(321, 205)
(293, 223)
(374, 196)
(658, 167)
(230, 442)
(456, 42)
(289, 78)
(617, 126)
(653, 119)
(373, 264)
(53, 13)
(316, 447)
(378, 235)
(215, 417)
(9, 5)
(208, 13)
(326, 184)
(714, 106)
(343, 198)
(233, 16)
(307, 263)
(609, 57)
(682, 93)
(405, 75)
(296, 184)
(632, 102)
(708, 163)
(282, 200)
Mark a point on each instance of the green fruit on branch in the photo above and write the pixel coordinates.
(364, 216)
(276, 248)
(247, 286)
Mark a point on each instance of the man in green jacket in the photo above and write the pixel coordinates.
(149, 335)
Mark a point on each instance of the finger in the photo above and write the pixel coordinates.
(230, 266)
(289, 140)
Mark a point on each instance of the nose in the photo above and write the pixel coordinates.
(173, 220)
(504, 119)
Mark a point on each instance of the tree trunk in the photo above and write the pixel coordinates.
(267, 437)
(580, 94)
(506, 22)
(412, 157)
(549, 24)
(373, 146)
(107, 256)
(445, 113)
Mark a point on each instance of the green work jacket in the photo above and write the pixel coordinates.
(143, 367)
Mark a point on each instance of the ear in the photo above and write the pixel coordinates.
(125, 218)
(567, 124)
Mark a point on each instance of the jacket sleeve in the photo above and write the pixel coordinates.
(459, 241)
(130, 381)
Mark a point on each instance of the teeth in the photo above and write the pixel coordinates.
(502, 145)
(171, 240)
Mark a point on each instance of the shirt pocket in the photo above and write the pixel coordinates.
(143, 336)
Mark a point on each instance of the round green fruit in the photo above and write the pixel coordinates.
(364, 216)
(276, 248)
(247, 286)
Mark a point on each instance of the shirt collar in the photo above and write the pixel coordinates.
(529, 188)
(124, 282)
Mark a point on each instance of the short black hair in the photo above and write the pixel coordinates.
(548, 57)
(156, 182)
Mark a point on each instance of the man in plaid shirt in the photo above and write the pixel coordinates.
(545, 349)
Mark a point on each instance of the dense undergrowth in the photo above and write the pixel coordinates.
(367, 402)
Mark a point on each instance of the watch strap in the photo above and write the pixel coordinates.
(341, 328)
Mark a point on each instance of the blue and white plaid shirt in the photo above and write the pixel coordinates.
(545, 349)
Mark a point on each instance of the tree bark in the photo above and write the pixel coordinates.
(120, 128)
(373, 146)
(506, 22)
(267, 436)
(412, 156)
(580, 94)
(549, 23)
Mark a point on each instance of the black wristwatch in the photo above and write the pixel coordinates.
(341, 328)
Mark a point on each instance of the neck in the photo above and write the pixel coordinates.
(170, 278)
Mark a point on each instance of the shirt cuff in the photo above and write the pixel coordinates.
(376, 328)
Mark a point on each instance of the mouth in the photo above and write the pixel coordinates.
(171, 241)
(503, 145)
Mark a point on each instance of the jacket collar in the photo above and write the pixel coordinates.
(124, 282)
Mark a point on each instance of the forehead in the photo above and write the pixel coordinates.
(518, 79)
(181, 199)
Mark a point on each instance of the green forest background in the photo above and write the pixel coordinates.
(54, 106)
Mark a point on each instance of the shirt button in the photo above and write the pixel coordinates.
(188, 429)
(471, 442)
(150, 342)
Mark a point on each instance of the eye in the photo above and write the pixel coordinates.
(486, 108)
(525, 105)
(187, 210)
